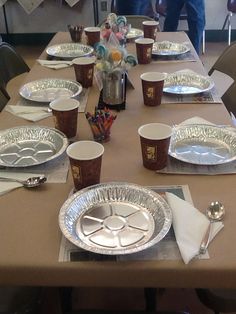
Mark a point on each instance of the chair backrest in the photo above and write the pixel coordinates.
(137, 20)
(134, 20)
(4, 97)
(231, 6)
(229, 99)
(11, 63)
(148, 11)
(225, 62)
(161, 6)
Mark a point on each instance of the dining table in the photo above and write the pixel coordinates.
(29, 229)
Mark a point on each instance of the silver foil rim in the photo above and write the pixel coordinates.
(69, 50)
(187, 83)
(203, 144)
(42, 85)
(80, 203)
(167, 48)
(31, 134)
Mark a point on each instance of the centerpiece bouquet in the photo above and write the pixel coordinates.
(116, 25)
(113, 63)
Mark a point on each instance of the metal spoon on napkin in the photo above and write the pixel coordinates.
(215, 212)
(29, 183)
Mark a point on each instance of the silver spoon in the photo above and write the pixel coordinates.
(215, 212)
(29, 183)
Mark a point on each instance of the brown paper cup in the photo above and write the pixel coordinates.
(93, 35)
(152, 85)
(150, 29)
(65, 113)
(84, 68)
(85, 161)
(144, 50)
(155, 141)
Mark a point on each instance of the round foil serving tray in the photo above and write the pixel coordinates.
(46, 90)
(115, 218)
(30, 145)
(134, 33)
(203, 144)
(184, 83)
(167, 48)
(69, 51)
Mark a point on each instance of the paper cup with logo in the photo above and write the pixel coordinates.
(152, 86)
(155, 141)
(84, 68)
(144, 50)
(65, 113)
(150, 29)
(93, 35)
(85, 161)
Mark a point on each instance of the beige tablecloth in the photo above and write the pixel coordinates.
(29, 232)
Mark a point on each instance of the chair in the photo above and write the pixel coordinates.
(149, 13)
(225, 64)
(220, 301)
(135, 20)
(161, 11)
(126, 312)
(231, 6)
(4, 97)
(11, 64)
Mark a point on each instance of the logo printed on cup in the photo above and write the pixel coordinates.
(76, 173)
(151, 152)
(150, 92)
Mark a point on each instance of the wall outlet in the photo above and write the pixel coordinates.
(103, 6)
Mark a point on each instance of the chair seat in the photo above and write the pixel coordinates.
(219, 300)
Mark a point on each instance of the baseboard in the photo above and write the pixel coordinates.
(44, 38)
(31, 39)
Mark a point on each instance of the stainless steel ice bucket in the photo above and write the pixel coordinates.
(113, 87)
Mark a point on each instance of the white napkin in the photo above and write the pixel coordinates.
(55, 64)
(6, 186)
(30, 113)
(233, 118)
(190, 226)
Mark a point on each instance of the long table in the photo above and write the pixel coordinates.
(29, 231)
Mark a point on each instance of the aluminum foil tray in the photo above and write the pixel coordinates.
(30, 145)
(115, 218)
(167, 48)
(203, 144)
(134, 33)
(184, 83)
(46, 90)
(69, 51)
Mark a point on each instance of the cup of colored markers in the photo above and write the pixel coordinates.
(100, 123)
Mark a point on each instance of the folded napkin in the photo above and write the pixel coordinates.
(55, 64)
(30, 113)
(233, 118)
(190, 227)
(6, 186)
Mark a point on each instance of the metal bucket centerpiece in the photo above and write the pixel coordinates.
(112, 66)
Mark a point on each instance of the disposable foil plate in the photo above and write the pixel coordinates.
(184, 83)
(167, 48)
(134, 33)
(46, 90)
(115, 218)
(30, 145)
(203, 144)
(69, 51)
